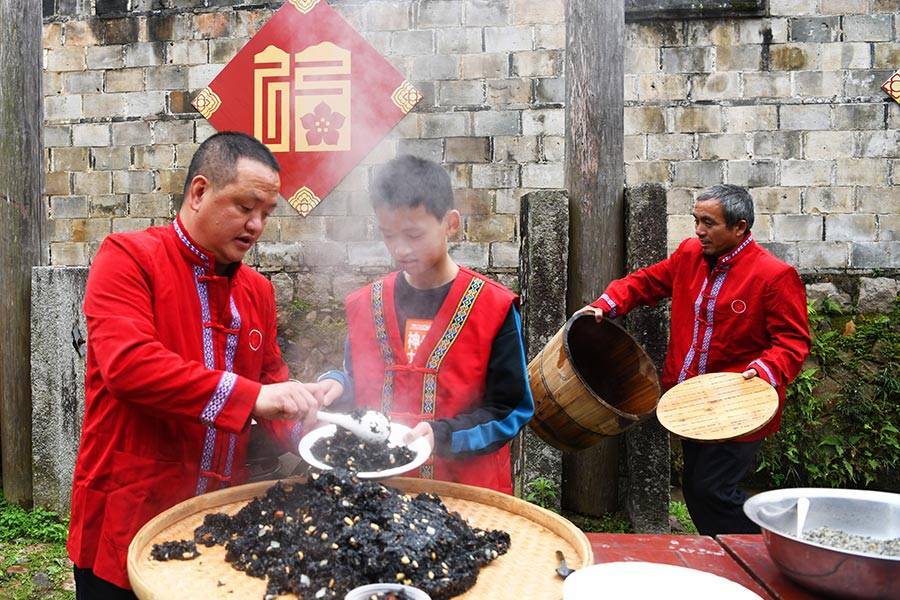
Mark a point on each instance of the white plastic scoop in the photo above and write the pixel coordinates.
(371, 426)
(802, 510)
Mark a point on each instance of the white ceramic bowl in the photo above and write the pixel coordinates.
(365, 591)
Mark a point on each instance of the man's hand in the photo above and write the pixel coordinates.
(750, 374)
(424, 430)
(326, 391)
(591, 310)
(289, 400)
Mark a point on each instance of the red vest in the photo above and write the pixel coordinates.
(446, 376)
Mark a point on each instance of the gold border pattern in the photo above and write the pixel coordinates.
(304, 200)
(304, 6)
(405, 97)
(207, 102)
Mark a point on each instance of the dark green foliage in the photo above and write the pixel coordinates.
(841, 419)
(37, 525)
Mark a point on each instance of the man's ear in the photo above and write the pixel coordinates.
(741, 227)
(453, 221)
(198, 187)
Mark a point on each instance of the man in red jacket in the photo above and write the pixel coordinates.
(182, 352)
(736, 308)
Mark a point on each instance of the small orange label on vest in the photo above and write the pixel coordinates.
(416, 330)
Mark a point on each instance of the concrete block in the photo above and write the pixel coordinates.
(412, 43)
(757, 31)
(875, 255)
(806, 172)
(504, 255)
(739, 58)
(65, 59)
(509, 93)
(439, 13)
(57, 135)
(92, 183)
(752, 173)
(698, 173)
(111, 158)
(646, 172)
(108, 206)
(635, 148)
(479, 13)
(823, 255)
(157, 156)
(172, 132)
(805, 116)
(828, 200)
(844, 7)
(199, 76)
(793, 7)
(82, 82)
(549, 175)
(711, 32)
(644, 119)
(516, 149)
(776, 144)
(490, 123)
(58, 332)
(775, 200)
(508, 39)
(863, 83)
(652, 34)
(862, 171)
(62, 108)
(815, 29)
(642, 60)
(493, 228)
(490, 176)
(889, 6)
(69, 159)
(687, 60)
(132, 182)
(103, 106)
(715, 86)
(434, 67)
(889, 228)
(887, 55)
(845, 55)
(537, 63)
(57, 184)
(671, 146)
(187, 52)
(544, 122)
(124, 80)
(858, 116)
(68, 207)
(550, 37)
(150, 205)
(793, 228)
(750, 118)
(829, 144)
(550, 90)
(868, 28)
(793, 57)
(818, 84)
(472, 255)
(881, 144)
(130, 224)
(537, 11)
(698, 119)
(130, 133)
(877, 294)
(480, 66)
(311, 228)
(723, 145)
(443, 125)
(464, 40)
(167, 77)
(142, 104)
(767, 85)
(554, 149)
(473, 202)
(850, 228)
(658, 87)
(145, 54)
(460, 93)
(883, 200)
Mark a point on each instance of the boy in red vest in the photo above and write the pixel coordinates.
(436, 346)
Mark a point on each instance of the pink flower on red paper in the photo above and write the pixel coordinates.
(322, 125)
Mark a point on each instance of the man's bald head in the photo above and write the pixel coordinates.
(216, 159)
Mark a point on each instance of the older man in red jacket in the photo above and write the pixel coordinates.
(182, 352)
(735, 307)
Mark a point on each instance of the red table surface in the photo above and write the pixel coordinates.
(750, 551)
(693, 551)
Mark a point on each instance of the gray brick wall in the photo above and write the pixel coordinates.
(789, 105)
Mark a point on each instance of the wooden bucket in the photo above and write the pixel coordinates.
(590, 382)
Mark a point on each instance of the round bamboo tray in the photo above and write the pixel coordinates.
(526, 572)
(717, 407)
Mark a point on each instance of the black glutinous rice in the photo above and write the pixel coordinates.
(178, 550)
(344, 449)
(322, 539)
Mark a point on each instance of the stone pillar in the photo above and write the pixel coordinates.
(58, 347)
(544, 227)
(647, 461)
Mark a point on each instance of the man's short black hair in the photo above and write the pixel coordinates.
(408, 181)
(217, 157)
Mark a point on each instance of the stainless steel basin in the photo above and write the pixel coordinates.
(831, 571)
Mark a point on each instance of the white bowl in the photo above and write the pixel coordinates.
(420, 447)
(363, 592)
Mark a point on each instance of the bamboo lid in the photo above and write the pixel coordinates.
(717, 407)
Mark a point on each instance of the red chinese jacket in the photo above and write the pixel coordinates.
(747, 311)
(447, 374)
(176, 358)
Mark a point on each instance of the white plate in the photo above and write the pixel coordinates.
(640, 580)
(420, 446)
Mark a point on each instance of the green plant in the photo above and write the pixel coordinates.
(608, 523)
(840, 421)
(37, 525)
(543, 492)
(679, 510)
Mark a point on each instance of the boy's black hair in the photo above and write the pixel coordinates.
(217, 157)
(408, 181)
